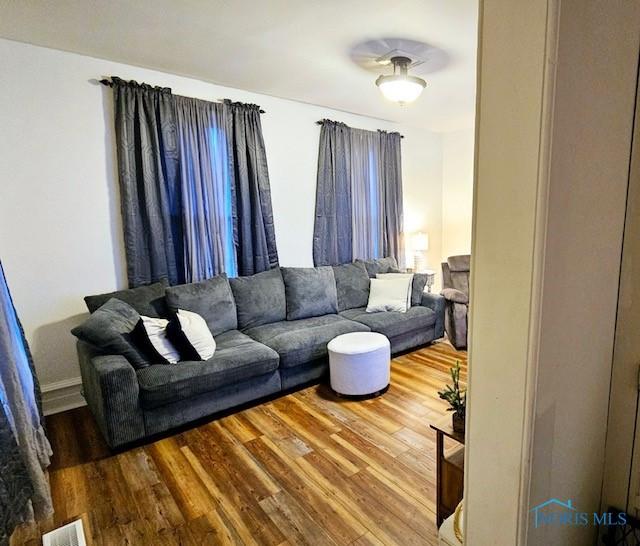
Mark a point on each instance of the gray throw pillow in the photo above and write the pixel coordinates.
(352, 285)
(419, 282)
(310, 291)
(211, 299)
(380, 265)
(260, 298)
(147, 300)
(110, 329)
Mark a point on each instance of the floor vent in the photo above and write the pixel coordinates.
(68, 535)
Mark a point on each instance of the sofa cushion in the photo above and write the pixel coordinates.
(352, 285)
(211, 299)
(380, 265)
(146, 300)
(237, 358)
(301, 341)
(310, 291)
(392, 323)
(110, 329)
(417, 289)
(259, 298)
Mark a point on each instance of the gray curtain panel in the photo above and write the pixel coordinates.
(390, 184)
(24, 449)
(205, 173)
(367, 196)
(332, 232)
(145, 123)
(253, 229)
(359, 210)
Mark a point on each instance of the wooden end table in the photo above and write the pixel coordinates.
(450, 470)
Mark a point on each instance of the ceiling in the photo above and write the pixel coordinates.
(314, 51)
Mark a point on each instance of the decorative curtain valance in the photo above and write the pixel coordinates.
(194, 182)
(358, 195)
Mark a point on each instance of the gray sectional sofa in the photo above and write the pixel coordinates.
(271, 331)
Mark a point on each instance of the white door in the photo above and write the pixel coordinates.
(621, 485)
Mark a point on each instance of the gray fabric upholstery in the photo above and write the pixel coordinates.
(455, 275)
(211, 299)
(130, 405)
(437, 304)
(301, 341)
(417, 288)
(456, 296)
(352, 285)
(260, 298)
(304, 374)
(253, 229)
(170, 416)
(110, 388)
(237, 358)
(310, 291)
(109, 329)
(380, 265)
(412, 340)
(146, 300)
(460, 263)
(145, 123)
(392, 323)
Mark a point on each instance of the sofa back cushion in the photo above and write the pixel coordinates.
(380, 265)
(110, 330)
(352, 285)
(211, 299)
(310, 291)
(260, 298)
(146, 300)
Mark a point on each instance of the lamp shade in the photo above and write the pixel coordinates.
(420, 242)
(400, 89)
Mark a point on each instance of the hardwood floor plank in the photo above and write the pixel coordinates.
(334, 518)
(307, 468)
(294, 522)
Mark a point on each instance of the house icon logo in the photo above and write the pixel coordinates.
(555, 512)
(558, 512)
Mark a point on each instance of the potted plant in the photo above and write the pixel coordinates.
(456, 397)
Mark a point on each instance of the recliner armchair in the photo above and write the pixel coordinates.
(455, 289)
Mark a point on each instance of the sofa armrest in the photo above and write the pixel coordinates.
(110, 387)
(456, 296)
(436, 303)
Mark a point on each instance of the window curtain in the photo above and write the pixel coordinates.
(358, 195)
(253, 228)
(194, 186)
(145, 122)
(332, 232)
(24, 448)
(390, 173)
(206, 189)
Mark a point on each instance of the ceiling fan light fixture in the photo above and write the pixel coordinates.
(400, 87)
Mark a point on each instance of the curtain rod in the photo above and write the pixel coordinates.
(320, 122)
(109, 83)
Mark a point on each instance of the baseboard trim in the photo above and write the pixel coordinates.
(62, 395)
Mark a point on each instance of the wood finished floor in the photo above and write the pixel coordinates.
(307, 468)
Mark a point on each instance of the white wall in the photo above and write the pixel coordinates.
(555, 117)
(60, 228)
(423, 198)
(457, 191)
(589, 168)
